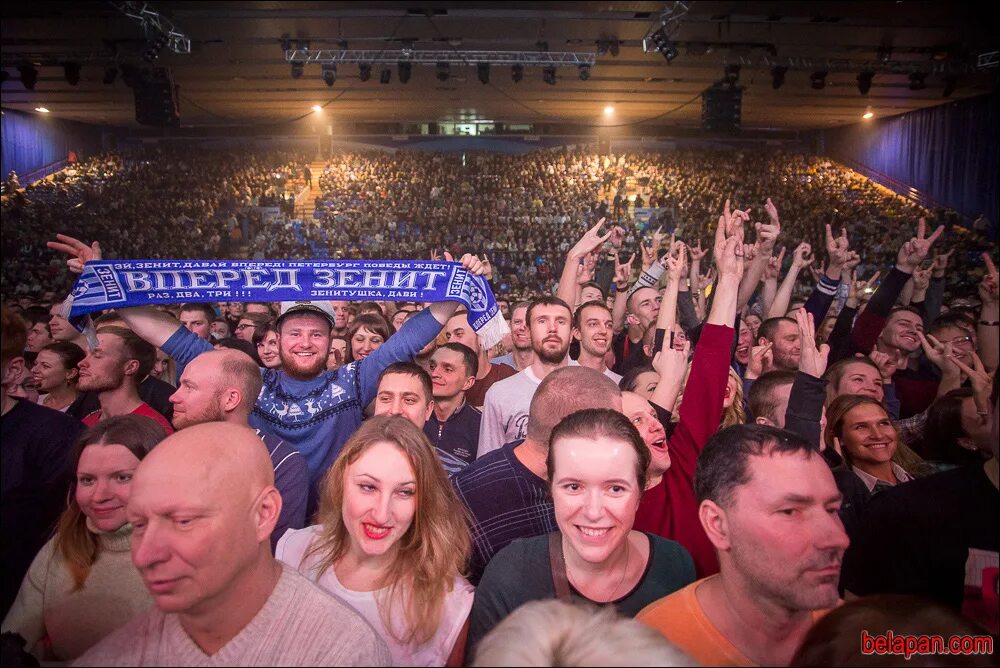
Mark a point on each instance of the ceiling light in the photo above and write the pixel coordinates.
(516, 72)
(29, 75)
(42, 110)
(818, 79)
(868, 114)
(865, 81)
(778, 76)
(917, 80)
(584, 72)
(483, 71)
(297, 69)
(403, 72)
(329, 74)
(608, 110)
(71, 70)
(549, 75)
(318, 109)
(364, 71)
(386, 76)
(443, 71)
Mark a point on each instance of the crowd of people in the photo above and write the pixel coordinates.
(758, 427)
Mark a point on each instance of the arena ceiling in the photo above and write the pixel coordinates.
(236, 72)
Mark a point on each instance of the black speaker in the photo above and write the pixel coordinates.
(721, 107)
(156, 99)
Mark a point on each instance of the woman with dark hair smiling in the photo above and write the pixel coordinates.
(82, 585)
(597, 466)
(365, 334)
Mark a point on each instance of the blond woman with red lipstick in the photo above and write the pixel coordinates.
(391, 543)
(82, 585)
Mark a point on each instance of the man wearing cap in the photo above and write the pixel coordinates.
(312, 409)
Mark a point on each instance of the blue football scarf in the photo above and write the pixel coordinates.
(123, 283)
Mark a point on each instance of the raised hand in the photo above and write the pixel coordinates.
(648, 254)
(623, 272)
(922, 279)
(696, 252)
(941, 263)
(802, 256)
(487, 267)
(79, 252)
(671, 364)
(435, 256)
(731, 221)
(913, 252)
(861, 290)
(658, 237)
(617, 236)
(585, 270)
(772, 211)
(470, 263)
(837, 248)
(760, 357)
(674, 261)
(731, 261)
(980, 379)
(590, 241)
(812, 360)
(774, 266)
(886, 364)
(988, 287)
(939, 353)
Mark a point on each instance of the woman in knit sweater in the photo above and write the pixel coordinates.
(82, 585)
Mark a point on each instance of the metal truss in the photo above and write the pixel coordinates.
(451, 56)
(852, 65)
(154, 24)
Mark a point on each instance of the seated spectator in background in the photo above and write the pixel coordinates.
(342, 316)
(391, 543)
(558, 633)
(56, 376)
(506, 409)
(936, 538)
(405, 389)
(365, 335)
(221, 598)
(266, 341)
(597, 466)
(783, 335)
(458, 330)
(338, 353)
(198, 318)
(36, 469)
(113, 370)
(453, 425)
(506, 491)
(768, 504)
(846, 636)
(81, 585)
(249, 325)
(221, 386)
(592, 327)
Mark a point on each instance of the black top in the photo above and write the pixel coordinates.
(916, 539)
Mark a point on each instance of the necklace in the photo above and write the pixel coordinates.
(621, 580)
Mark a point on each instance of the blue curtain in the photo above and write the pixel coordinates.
(949, 152)
(30, 142)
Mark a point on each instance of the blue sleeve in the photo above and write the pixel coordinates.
(822, 296)
(402, 346)
(184, 345)
(291, 478)
(891, 401)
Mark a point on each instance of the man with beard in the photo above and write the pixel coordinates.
(768, 503)
(522, 355)
(221, 386)
(593, 328)
(786, 346)
(113, 370)
(314, 410)
(505, 411)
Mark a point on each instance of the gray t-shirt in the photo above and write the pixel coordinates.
(299, 625)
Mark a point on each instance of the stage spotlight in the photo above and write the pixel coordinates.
(152, 52)
(298, 69)
(549, 75)
(71, 70)
(516, 72)
(386, 76)
(329, 74)
(950, 84)
(443, 71)
(110, 74)
(364, 71)
(778, 76)
(865, 81)
(818, 79)
(660, 42)
(584, 72)
(29, 75)
(404, 71)
(483, 70)
(917, 80)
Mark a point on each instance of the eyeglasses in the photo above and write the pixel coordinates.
(241, 327)
(961, 340)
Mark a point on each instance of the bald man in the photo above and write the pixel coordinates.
(203, 506)
(222, 386)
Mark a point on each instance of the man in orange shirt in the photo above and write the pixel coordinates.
(768, 502)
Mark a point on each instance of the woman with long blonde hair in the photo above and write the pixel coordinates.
(392, 542)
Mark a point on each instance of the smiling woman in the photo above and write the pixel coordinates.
(82, 585)
(597, 463)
